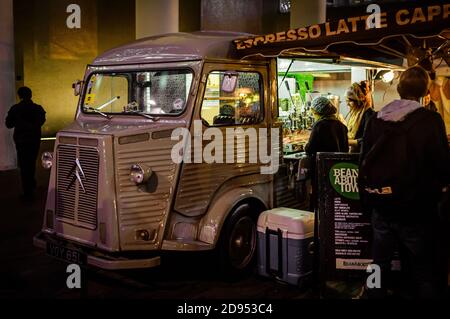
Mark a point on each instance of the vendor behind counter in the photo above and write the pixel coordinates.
(328, 135)
(361, 110)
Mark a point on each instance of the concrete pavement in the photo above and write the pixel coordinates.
(27, 272)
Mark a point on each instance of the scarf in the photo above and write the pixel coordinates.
(357, 110)
(354, 120)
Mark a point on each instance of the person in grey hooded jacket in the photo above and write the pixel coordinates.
(414, 229)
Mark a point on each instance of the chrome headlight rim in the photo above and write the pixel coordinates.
(47, 160)
(140, 174)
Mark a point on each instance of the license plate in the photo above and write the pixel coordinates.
(71, 256)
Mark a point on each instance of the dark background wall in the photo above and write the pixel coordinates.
(251, 16)
(338, 9)
(50, 56)
(116, 23)
(272, 19)
(232, 15)
(190, 15)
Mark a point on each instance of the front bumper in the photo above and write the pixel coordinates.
(97, 259)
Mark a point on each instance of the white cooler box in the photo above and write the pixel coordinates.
(285, 239)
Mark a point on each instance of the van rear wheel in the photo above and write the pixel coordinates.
(238, 242)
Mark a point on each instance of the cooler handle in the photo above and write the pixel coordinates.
(277, 273)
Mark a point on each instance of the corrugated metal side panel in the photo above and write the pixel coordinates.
(285, 197)
(139, 209)
(199, 182)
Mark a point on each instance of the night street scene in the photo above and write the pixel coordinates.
(221, 158)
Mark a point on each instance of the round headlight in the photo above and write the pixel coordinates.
(140, 174)
(47, 160)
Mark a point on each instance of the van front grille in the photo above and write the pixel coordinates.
(77, 185)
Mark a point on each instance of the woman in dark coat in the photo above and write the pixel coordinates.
(328, 135)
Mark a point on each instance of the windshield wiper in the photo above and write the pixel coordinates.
(101, 107)
(154, 119)
(98, 112)
(132, 108)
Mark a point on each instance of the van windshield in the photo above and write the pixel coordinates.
(159, 93)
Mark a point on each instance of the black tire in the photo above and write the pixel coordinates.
(237, 245)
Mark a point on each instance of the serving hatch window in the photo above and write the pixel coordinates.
(232, 98)
(162, 92)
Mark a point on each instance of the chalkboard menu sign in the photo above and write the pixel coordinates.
(344, 229)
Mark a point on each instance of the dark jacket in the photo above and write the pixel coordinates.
(362, 126)
(26, 118)
(428, 148)
(327, 135)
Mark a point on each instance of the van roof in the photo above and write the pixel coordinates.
(174, 47)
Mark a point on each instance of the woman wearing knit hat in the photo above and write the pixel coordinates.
(360, 112)
(328, 135)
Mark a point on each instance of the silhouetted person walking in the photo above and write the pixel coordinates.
(26, 118)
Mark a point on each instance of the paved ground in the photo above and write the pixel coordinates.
(27, 272)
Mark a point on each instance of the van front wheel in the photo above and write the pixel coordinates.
(238, 242)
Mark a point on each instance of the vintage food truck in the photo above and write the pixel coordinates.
(117, 197)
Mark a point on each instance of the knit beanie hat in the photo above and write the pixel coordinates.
(322, 106)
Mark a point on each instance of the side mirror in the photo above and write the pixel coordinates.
(229, 82)
(77, 86)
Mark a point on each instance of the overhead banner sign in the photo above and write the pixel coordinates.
(419, 20)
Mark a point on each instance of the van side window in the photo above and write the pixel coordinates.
(233, 98)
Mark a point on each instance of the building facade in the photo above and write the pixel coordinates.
(48, 43)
